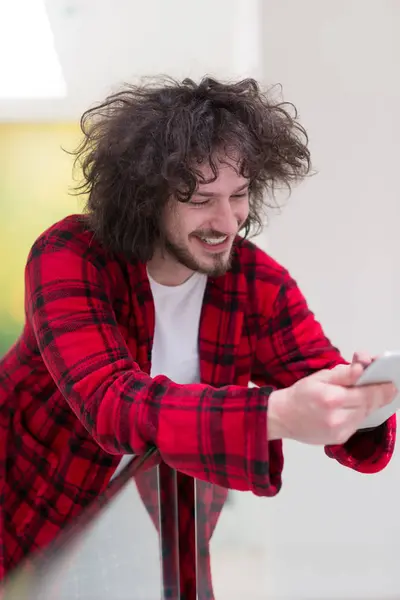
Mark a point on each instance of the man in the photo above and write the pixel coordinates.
(148, 317)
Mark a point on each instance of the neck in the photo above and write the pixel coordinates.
(165, 270)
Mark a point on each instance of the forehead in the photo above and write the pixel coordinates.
(228, 176)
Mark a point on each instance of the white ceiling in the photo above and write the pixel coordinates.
(102, 43)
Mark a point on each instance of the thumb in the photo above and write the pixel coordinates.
(363, 358)
(344, 375)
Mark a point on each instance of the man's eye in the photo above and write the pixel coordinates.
(200, 202)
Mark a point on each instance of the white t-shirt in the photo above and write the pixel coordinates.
(177, 312)
(175, 350)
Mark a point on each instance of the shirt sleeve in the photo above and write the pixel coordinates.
(217, 435)
(292, 345)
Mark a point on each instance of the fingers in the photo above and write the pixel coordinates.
(345, 409)
(368, 397)
(344, 394)
(361, 402)
(344, 375)
(331, 406)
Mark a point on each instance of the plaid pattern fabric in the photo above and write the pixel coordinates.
(75, 390)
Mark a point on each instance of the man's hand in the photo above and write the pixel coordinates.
(324, 408)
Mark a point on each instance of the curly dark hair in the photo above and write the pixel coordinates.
(145, 143)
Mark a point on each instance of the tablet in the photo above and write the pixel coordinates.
(385, 368)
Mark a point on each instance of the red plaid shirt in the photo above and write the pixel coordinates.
(75, 390)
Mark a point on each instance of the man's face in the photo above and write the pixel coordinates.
(200, 233)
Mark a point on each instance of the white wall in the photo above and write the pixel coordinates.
(332, 533)
(106, 43)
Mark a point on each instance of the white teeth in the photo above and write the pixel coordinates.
(214, 241)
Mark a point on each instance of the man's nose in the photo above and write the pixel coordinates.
(224, 218)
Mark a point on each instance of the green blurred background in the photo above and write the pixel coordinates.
(35, 191)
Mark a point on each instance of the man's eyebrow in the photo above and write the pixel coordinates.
(242, 188)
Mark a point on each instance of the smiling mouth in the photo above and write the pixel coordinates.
(214, 241)
(214, 244)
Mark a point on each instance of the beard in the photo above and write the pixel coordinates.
(219, 263)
